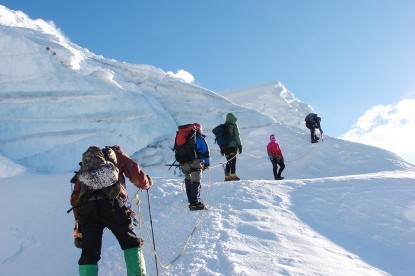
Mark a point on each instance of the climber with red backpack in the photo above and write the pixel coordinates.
(99, 201)
(192, 153)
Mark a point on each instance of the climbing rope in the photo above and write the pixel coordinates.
(301, 157)
(304, 155)
(186, 243)
(133, 215)
(222, 163)
(199, 220)
(152, 232)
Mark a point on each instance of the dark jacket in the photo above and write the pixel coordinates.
(233, 131)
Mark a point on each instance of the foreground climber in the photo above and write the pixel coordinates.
(99, 198)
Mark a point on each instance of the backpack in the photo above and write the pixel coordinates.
(310, 117)
(312, 120)
(99, 172)
(221, 136)
(185, 144)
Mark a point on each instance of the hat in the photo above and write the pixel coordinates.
(198, 128)
(272, 137)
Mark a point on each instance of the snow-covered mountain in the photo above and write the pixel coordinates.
(344, 208)
(52, 88)
(273, 99)
(58, 98)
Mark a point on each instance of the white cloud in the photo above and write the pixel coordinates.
(390, 127)
(183, 75)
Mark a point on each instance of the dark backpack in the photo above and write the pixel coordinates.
(185, 144)
(221, 136)
(310, 117)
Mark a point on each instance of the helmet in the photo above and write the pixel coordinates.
(272, 137)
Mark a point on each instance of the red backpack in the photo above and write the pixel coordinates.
(185, 143)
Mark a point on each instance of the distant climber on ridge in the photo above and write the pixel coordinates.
(312, 122)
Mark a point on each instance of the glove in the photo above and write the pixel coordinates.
(78, 243)
(240, 149)
(150, 181)
(140, 242)
(77, 236)
(222, 152)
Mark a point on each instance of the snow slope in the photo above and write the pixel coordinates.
(344, 208)
(351, 225)
(275, 100)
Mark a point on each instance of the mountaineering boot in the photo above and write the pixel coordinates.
(134, 260)
(279, 178)
(234, 177)
(227, 177)
(197, 206)
(88, 270)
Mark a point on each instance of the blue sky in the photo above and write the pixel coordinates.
(341, 57)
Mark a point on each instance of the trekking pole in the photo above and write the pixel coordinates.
(152, 232)
(173, 165)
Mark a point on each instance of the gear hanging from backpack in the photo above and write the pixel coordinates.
(98, 172)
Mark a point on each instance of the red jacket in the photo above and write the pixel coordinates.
(273, 150)
(130, 169)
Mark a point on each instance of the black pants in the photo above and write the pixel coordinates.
(192, 191)
(193, 177)
(277, 167)
(94, 216)
(230, 154)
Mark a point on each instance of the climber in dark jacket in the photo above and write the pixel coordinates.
(233, 148)
(312, 122)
